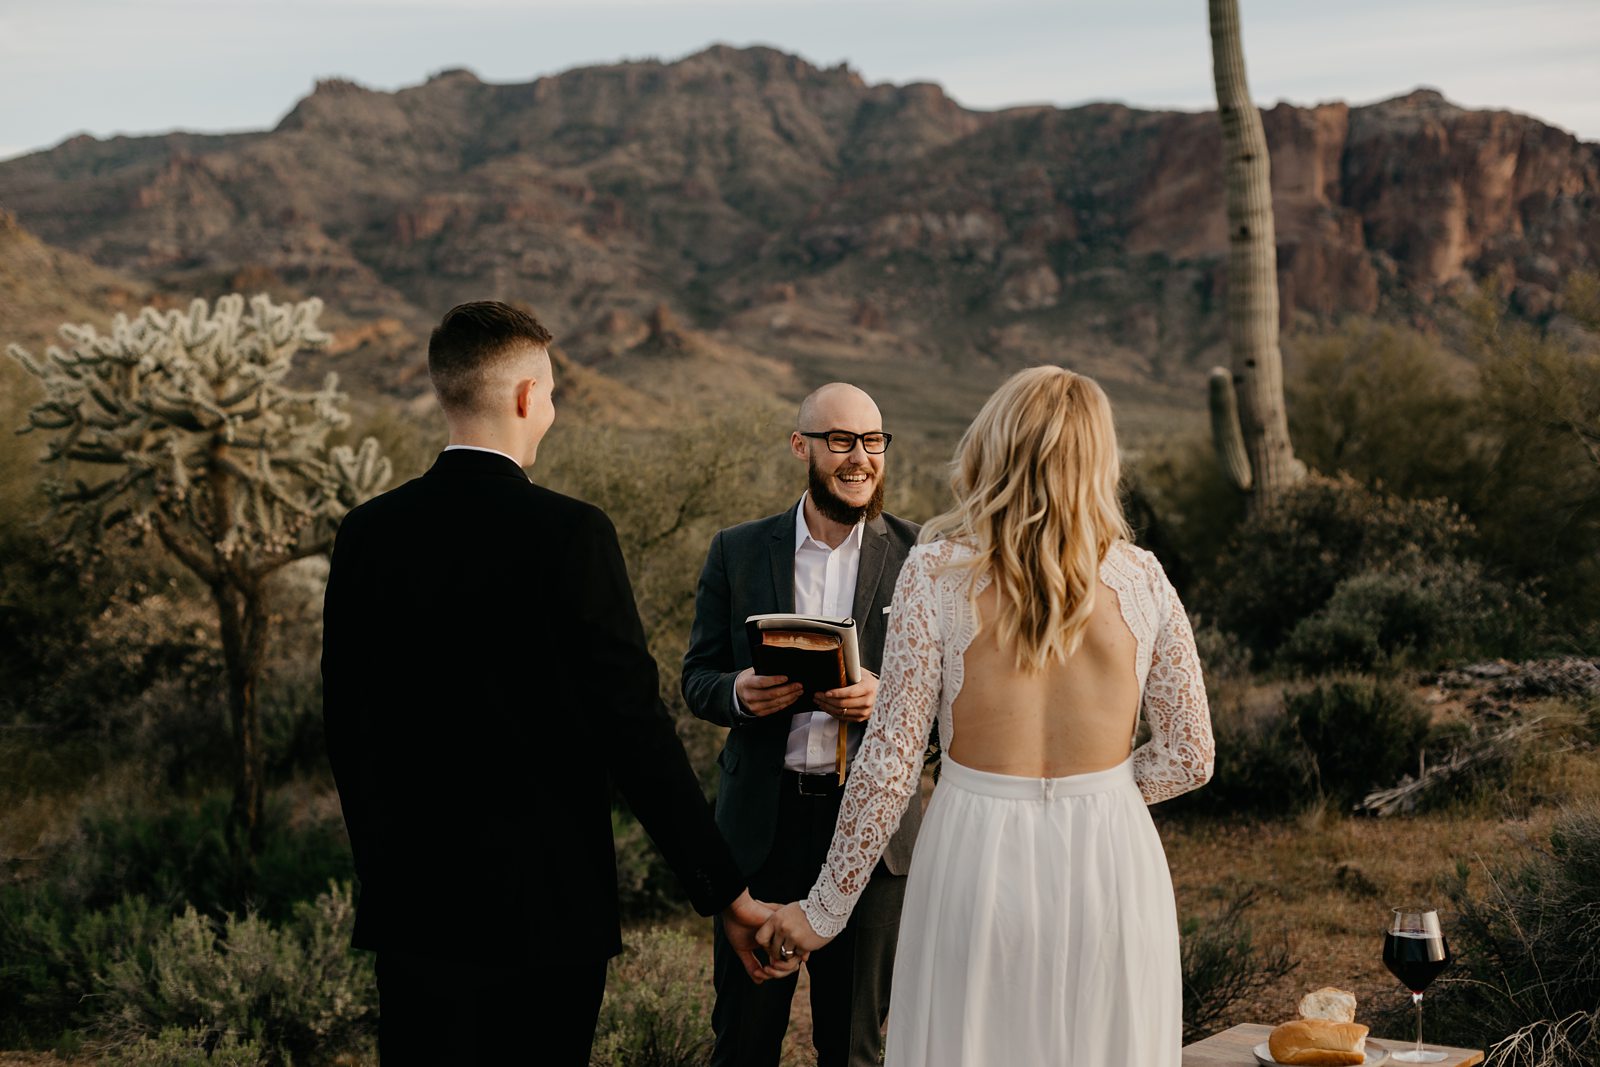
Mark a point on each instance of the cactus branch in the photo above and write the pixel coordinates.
(1225, 433)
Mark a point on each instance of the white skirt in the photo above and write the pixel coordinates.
(1039, 928)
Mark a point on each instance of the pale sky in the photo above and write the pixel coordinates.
(115, 66)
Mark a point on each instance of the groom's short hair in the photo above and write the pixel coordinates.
(471, 344)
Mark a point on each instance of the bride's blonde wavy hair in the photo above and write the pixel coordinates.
(1035, 480)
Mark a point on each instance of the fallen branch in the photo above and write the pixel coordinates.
(1403, 797)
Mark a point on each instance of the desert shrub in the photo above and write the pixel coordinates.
(1526, 938)
(1224, 965)
(297, 989)
(1223, 657)
(1426, 613)
(1284, 562)
(52, 954)
(1537, 505)
(1182, 507)
(179, 856)
(1386, 405)
(1261, 765)
(1500, 422)
(1360, 733)
(199, 1047)
(646, 886)
(656, 1011)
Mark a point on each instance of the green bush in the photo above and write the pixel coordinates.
(1422, 615)
(104, 896)
(297, 989)
(1526, 938)
(646, 886)
(198, 1047)
(1386, 405)
(1284, 563)
(1182, 507)
(1362, 733)
(1223, 657)
(179, 856)
(1224, 967)
(1261, 765)
(657, 1009)
(53, 954)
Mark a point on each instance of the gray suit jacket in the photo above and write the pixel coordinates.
(750, 571)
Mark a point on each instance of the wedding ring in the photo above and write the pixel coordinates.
(785, 953)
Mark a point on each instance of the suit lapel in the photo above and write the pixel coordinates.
(781, 549)
(874, 551)
(865, 608)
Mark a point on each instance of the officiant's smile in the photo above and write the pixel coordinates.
(841, 438)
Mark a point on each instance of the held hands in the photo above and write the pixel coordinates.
(789, 929)
(739, 923)
(853, 703)
(763, 694)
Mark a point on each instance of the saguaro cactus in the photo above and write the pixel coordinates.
(202, 445)
(1257, 372)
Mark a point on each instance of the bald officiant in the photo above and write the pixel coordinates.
(835, 553)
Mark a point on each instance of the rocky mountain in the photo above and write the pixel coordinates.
(798, 222)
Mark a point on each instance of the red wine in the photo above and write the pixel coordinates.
(1415, 958)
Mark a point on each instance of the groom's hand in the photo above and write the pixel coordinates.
(740, 921)
(853, 703)
(763, 694)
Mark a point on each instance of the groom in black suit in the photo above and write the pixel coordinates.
(835, 554)
(485, 684)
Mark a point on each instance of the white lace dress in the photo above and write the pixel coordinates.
(1039, 924)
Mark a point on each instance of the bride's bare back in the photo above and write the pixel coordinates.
(1070, 718)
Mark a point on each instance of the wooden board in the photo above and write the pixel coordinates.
(1232, 1048)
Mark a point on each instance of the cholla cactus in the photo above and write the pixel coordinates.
(202, 444)
(205, 444)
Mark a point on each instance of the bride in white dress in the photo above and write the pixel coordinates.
(1039, 924)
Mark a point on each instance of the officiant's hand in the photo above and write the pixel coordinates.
(853, 703)
(789, 931)
(740, 920)
(763, 694)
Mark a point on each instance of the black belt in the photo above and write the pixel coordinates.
(813, 785)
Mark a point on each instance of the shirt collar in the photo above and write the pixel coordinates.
(802, 532)
(480, 448)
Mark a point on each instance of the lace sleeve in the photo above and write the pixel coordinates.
(887, 772)
(1179, 754)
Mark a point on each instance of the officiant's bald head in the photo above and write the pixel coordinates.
(479, 351)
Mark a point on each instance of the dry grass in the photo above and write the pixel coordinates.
(1326, 882)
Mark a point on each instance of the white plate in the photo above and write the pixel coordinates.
(1377, 1052)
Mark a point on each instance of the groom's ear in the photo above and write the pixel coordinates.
(524, 396)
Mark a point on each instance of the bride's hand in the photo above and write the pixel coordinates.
(788, 933)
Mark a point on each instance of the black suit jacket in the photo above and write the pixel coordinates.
(750, 571)
(485, 681)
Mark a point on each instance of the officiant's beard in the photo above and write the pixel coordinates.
(841, 511)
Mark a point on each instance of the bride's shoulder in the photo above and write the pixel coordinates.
(1128, 561)
(932, 556)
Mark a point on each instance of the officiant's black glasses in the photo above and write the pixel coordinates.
(875, 442)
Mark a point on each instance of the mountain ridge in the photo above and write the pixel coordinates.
(798, 213)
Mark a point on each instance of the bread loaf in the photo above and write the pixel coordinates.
(1319, 1043)
(1330, 1003)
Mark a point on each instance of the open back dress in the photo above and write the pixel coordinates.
(1039, 925)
